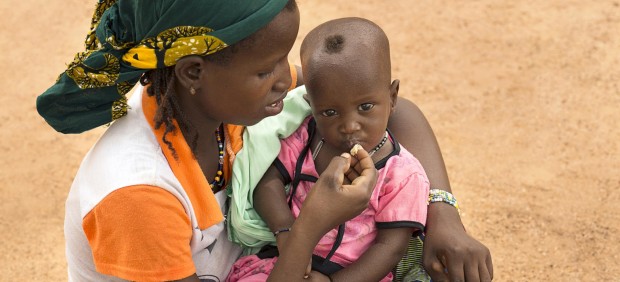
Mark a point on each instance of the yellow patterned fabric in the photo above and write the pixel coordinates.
(171, 45)
(86, 76)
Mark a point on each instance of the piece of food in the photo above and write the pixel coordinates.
(355, 148)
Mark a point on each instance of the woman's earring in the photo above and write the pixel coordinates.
(192, 90)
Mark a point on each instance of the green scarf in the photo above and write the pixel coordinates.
(129, 37)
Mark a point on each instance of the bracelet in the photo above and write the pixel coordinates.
(437, 195)
(281, 230)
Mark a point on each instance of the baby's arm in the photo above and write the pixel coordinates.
(388, 249)
(270, 203)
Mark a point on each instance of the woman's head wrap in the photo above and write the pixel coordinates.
(129, 37)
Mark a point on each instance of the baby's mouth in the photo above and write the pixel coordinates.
(352, 142)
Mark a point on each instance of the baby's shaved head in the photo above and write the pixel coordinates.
(354, 43)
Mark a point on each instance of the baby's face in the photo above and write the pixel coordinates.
(350, 107)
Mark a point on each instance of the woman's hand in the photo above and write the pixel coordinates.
(330, 202)
(450, 254)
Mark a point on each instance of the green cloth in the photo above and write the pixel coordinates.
(261, 145)
(410, 267)
(129, 37)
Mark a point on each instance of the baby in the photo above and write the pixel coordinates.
(347, 71)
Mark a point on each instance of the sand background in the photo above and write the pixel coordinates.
(523, 97)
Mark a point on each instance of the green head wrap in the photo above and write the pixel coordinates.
(129, 37)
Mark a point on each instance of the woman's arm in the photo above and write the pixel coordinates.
(447, 246)
(414, 132)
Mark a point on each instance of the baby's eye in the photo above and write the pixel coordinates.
(365, 107)
(329, 113)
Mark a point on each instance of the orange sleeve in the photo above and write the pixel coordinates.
(293, 76)
(140, 233)
(234, 135)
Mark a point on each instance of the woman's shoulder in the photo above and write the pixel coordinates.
(126, 154)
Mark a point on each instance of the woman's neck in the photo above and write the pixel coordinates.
(200, 122)
(204, 129)
(207, 151)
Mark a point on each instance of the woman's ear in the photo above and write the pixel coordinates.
(188, 71)
(394, 93)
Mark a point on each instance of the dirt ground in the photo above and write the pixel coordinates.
(523, 97)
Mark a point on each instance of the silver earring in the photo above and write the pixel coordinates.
(192, 90)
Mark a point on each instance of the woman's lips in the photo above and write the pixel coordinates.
(275, 107)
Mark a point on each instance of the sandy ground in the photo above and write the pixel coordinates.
(523, 97)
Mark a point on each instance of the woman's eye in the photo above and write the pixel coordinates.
(328, 113)
(265, 74)
(365, 107)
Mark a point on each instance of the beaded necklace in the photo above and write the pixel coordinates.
(316, 150)
(218, 179)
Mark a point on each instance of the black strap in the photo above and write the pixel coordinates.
(318, 263)
(268, 251)
(282, 169)
(300, 161)
(307, 177)
(337, 243)
(325, 264)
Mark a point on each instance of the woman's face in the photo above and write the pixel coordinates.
(250, 86)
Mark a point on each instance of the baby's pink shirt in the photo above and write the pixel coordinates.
(399, 199)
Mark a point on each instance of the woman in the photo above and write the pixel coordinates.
(140, 207)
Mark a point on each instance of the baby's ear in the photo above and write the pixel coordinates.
(394, 93)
